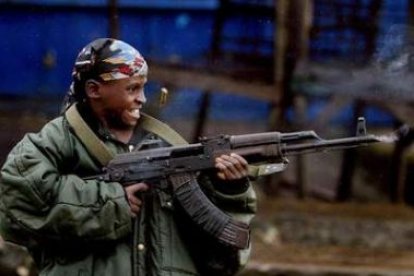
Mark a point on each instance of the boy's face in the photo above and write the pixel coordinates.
(121, 101)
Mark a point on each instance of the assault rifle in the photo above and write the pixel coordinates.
(165, 163)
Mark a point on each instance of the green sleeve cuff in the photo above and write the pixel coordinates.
(231, 187)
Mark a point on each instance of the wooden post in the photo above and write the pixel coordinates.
(371, 41)
(280, 44)
(293, 23)
(276, 116)
(302, 11)
(219, 19)
(344, 190)
(113, 18)
(411, 13)
(202, 115)
(298, 24)
(293, 20)
(398, 171)
(215, 52)
(301, 171)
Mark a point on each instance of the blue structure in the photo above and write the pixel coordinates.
(41, 38)
(40, 41)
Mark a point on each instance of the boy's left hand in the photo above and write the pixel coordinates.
(231, 167)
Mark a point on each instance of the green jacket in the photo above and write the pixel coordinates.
(77, 227)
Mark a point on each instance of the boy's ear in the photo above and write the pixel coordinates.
(92, 89)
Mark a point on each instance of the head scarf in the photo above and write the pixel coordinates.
(104, 59)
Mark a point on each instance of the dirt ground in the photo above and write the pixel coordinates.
(274, 254)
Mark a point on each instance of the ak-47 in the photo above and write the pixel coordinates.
(165, 163)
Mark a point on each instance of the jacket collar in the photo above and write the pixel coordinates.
(102, 132)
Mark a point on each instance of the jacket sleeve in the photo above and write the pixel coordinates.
(42, 197)
(237, 197)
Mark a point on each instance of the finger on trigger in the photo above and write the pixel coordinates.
(139, 187)
(134, 200)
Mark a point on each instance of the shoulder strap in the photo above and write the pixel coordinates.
(161, 129)
(94, 145)
(100, 151)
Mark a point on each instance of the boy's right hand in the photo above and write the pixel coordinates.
(132, 194)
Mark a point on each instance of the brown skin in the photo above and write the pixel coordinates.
(117, 105)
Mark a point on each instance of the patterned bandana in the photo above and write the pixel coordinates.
(108, 59)
(103, 59)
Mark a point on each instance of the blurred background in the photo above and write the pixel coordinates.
(243, 66)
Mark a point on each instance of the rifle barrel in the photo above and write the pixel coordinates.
(341, 143)
(266, 138)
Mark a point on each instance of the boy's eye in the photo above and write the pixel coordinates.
(133, 89)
